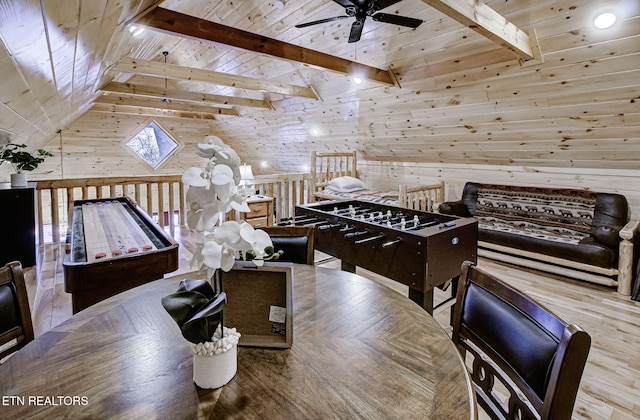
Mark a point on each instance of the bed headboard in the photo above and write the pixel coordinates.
(326, 166)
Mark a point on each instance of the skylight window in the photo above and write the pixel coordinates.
(153, 145)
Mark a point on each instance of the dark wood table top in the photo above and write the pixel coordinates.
(360, 350)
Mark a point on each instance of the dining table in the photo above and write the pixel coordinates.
(360, 350)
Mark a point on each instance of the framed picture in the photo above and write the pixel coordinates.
(260, 303)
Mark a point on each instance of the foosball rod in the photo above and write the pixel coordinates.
(297, 220)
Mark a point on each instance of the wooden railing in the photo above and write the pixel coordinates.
(162, 197)
(288, 190)
(422, 197)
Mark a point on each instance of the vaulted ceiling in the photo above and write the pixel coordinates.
(496, 82)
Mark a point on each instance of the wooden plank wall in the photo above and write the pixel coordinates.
(625, 182)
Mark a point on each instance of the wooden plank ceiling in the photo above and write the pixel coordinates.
(527, 83)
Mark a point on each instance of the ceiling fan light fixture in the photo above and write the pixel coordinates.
(361, 9)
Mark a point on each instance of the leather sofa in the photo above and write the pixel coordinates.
(570, 232)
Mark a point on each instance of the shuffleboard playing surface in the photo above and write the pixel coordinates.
(109, 227)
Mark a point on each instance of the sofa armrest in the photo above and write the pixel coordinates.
(607, 235)
(625, 262)
(628, 232)
(456, 208)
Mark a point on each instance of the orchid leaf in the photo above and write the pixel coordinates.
(195, 309)
(203, 325)
(197, 285)
(183, 305)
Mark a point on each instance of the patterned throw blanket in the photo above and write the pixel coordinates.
(560, 215)
(380, 197)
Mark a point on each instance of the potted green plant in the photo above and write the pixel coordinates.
(22, 161)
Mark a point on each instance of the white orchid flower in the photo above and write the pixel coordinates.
(228, 258)
(211, 146)
(258, 240)
(193, 177)
(229, 233)
(228, 241)
(204, 208)
(222, 175)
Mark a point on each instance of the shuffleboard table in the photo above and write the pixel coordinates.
(113, 246)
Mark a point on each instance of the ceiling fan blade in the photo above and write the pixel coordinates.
(356, 30)
(344, 3)
(381, 4)
(397, 20)
(315, 22)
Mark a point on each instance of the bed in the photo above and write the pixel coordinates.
(333, 176)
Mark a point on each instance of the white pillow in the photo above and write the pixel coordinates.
(346, 184)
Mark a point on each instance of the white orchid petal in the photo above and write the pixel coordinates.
(246, 232)
(211, 139)
(227, 262)
(227, 232)
(261, 239)
(222, 174)
(193, 177)
(212, 254)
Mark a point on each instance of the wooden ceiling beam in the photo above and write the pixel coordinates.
(481, 18)
(172, 71)
(159, 111)
(163, 104)
(182, 95)
(175, 23)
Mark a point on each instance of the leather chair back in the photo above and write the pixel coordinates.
(513, 340)
(296, 242)
(15, 316)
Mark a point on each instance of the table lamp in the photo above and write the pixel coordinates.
(246, 176)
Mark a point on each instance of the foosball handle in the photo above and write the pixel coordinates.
(393, 242)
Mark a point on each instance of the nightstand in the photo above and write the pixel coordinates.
(261, 213)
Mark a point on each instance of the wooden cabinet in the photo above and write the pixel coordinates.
(18, 212)
(261, 213)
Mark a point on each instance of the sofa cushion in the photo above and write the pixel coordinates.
(563, 211)
(587, 250)
(535, 218)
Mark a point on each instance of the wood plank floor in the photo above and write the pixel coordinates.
(610, 387)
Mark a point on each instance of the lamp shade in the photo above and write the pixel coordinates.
(246, 174)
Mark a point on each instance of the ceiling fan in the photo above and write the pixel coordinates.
(360, 9)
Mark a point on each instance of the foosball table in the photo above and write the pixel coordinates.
(419, 249)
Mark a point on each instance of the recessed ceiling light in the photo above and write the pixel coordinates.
(604, 20)
(136, 30)
(357, 80)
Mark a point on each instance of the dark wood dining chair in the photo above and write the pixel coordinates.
(517, 348)
(296, 242)
(15, 316)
